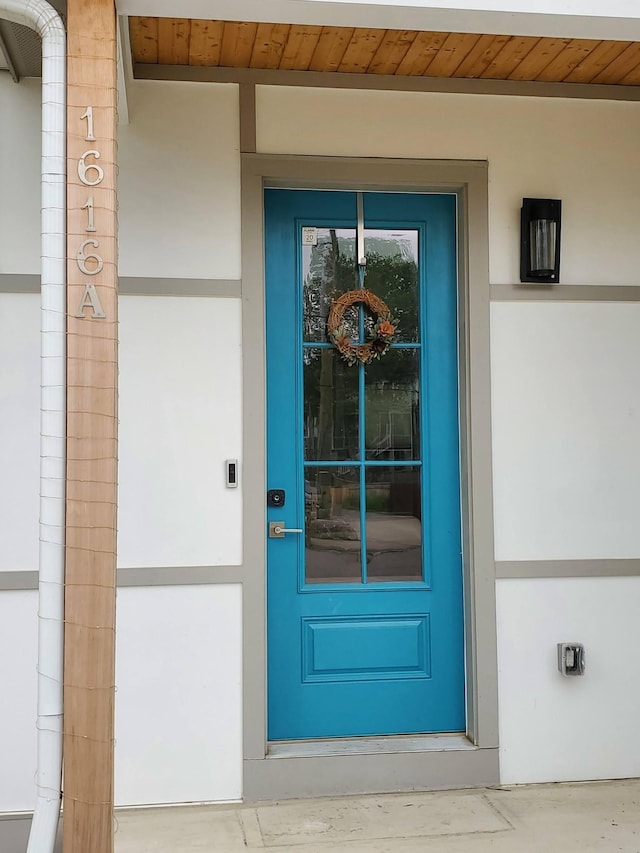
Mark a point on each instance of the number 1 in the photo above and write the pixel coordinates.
(89, 117)
(89, 208)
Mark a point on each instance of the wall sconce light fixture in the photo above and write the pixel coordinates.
(540, 240)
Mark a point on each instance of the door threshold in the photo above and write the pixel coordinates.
(369, 745)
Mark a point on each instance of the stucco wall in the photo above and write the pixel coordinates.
(180, 418)
(19, 176)
(582, 152)
(566, 419)
(565, 391)
(19, 430)
(562, 729)
(179, 182)
(566, 399)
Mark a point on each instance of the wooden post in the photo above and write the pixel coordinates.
(89, 666)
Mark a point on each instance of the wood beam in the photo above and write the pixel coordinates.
(89, 674)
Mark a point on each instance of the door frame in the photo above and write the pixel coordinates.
(317, 770)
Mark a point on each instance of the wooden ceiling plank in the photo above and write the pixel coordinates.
(237, 44)
(623, 65)
(633, 77)
(173, 41)
(143, 33)
(539, 58)
(205, 42)
(421, 54)
(331, 48)
(480, 56)
(269, 45)
(511, 55)
(596, 61)
(393, 48)
(361, 50)
(301, 44)
(567, 60)
(452, 53)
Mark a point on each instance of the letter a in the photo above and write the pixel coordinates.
(90, 299)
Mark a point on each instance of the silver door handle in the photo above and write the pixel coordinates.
(277, 530)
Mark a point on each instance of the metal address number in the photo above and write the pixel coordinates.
(90, 174)
(82, 257)
(84, 167)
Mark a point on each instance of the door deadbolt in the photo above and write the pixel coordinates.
(275, 497)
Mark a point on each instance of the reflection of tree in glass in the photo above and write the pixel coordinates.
(394, 278)
(392, 406)
(331, 406)
(332, 271)
(391, 273)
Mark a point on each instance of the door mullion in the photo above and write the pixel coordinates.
(363, 483)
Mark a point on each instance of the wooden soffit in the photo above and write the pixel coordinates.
(400, 53)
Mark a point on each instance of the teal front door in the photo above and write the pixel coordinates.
(364, 587)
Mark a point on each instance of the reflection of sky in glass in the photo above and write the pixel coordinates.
(346, 243)
(383, 241)
(392, 243)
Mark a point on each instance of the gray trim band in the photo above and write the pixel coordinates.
(142, 576)
(387, 82)
(180, 576)
(564, 293)
(522, 569)
(13, 581)
(191, 575)
(138, 286)
(337, 775)
(247, 107)
(19, 283)
(135, 286)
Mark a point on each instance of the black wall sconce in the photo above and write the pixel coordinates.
(540, 240)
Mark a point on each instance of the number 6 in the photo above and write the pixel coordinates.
(83, 168)
(82, 258)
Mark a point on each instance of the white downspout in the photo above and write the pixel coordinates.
(40, 16)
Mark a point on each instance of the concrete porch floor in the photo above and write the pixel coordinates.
(559, 818)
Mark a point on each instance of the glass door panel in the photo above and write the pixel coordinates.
(362, 515)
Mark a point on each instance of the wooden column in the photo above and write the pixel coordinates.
(89, 666)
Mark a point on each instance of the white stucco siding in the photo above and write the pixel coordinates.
(178, 700)
(583, 152)
(179, 705)
(566, 404)
(180, 419)
(19, 430)
(19, 176)
(18, 710)
(566, 420)
(552, 728)
(179, 182)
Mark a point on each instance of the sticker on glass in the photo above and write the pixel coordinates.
(309, 236)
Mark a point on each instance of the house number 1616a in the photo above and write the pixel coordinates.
(89, 262)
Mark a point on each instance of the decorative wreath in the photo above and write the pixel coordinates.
(383, 332)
